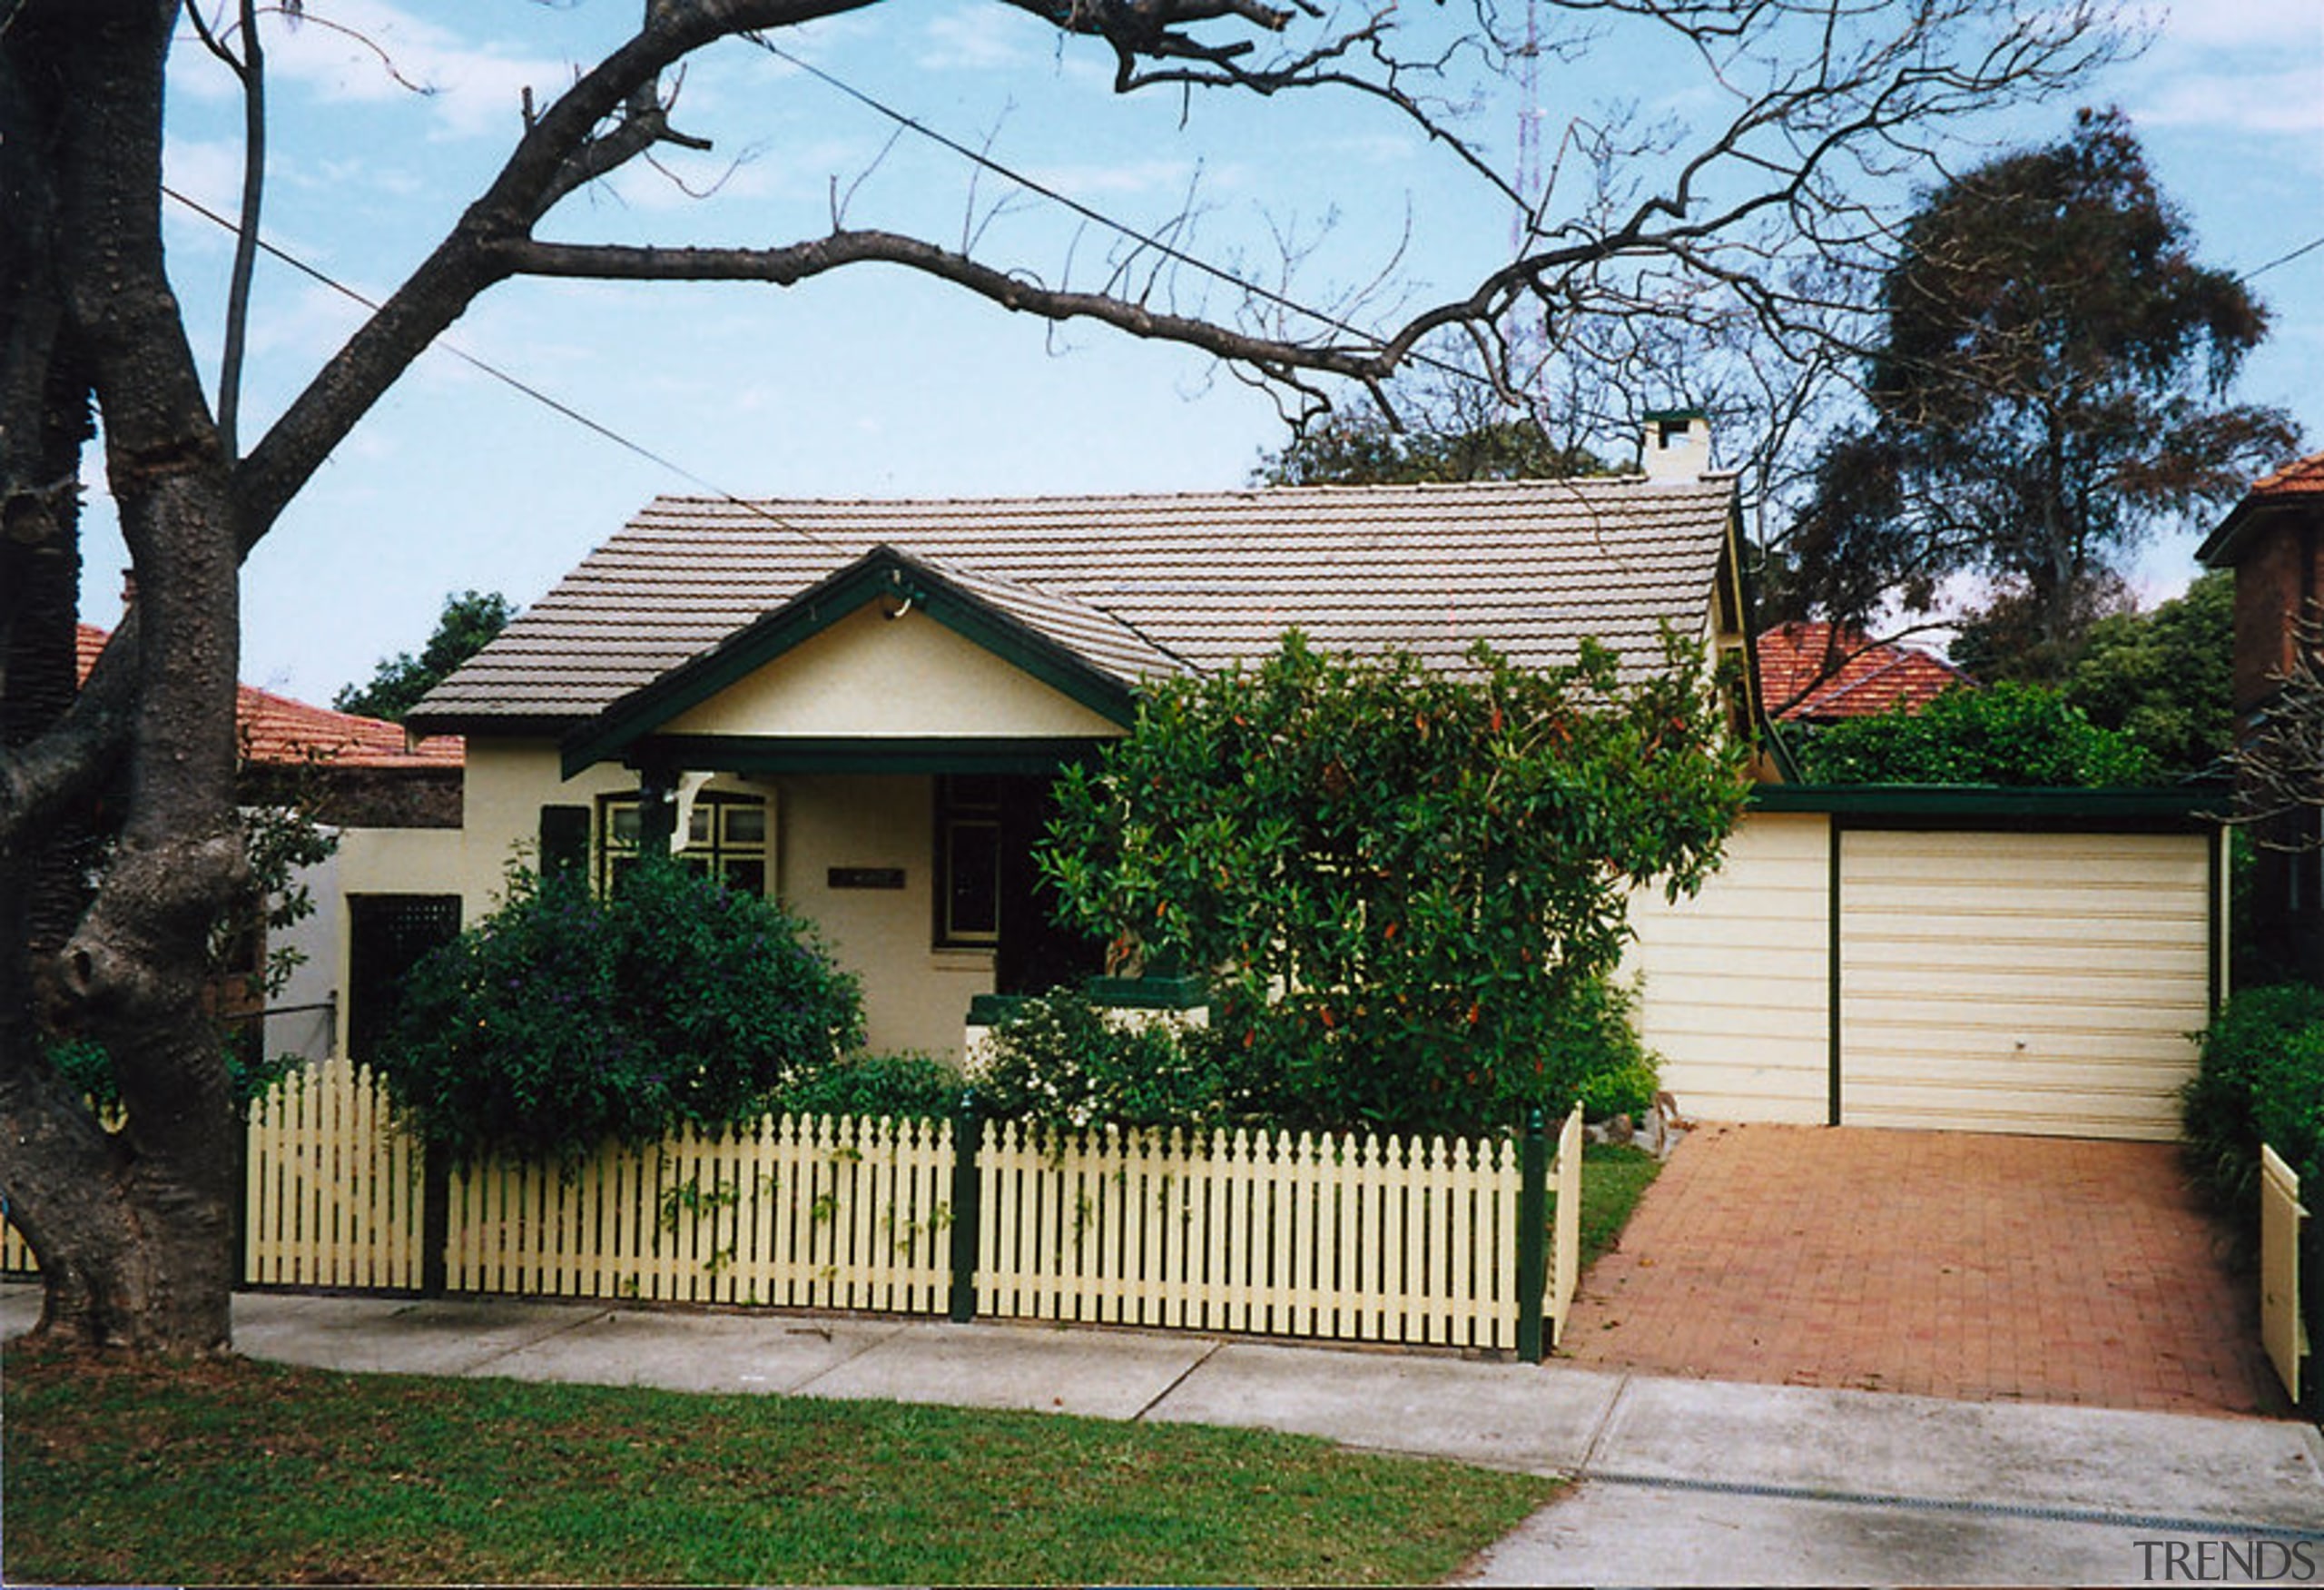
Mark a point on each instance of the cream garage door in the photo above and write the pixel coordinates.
(2028, 983)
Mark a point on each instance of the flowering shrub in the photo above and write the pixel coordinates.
(563, 1020)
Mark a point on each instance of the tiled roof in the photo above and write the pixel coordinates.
(2303, 477)
(277, 731)
(1816, 672)
(2297, 488)
(1139, 586)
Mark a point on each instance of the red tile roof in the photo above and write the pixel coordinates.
(1811, 671)
(2301, 478)
(278, 731)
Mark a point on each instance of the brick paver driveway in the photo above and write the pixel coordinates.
(1945, 1264)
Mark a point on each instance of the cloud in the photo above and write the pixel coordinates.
(372, 51)
(975, 42)
(2255, 68)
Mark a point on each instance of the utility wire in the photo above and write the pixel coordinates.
(2310, 247)
(1145, 239)
(515, 384)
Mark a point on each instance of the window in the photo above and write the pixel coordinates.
(968, 855)
(726, 839)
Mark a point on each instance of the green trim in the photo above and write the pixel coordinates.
(1834, 1034)
(882, 572)
(993, 1010)
(766, 753)
(1658, 416)
(1148, 994)
(2184, 806)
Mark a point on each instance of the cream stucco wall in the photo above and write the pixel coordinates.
(909, 677)
(915, 996)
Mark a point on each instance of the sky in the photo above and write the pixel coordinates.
(872, 382)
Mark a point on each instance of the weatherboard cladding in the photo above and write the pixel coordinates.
(1139, 586)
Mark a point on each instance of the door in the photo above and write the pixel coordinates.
(2028, 983)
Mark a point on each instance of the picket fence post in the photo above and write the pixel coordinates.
(968, 1137)
(1532, 1237)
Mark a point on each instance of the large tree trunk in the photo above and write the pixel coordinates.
(133, 1226)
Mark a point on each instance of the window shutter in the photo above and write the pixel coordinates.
(565, 840)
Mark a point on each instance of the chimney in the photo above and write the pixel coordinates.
(1677, 444)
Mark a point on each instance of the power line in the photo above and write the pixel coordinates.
(1145, 239)
(2310, 247)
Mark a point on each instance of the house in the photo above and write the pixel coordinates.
(859, 706)
(1813, 673)
(2274, 540)
(363, 778)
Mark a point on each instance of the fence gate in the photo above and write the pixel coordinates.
(2282, 1326)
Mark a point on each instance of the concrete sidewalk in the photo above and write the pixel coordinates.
(1680, 1481)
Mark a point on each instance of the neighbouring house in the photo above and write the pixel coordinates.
(2274, 542)
(858, 706)
(364, 779)
(1812, 672)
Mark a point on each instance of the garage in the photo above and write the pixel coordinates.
(2022, 983)
(2005, 960)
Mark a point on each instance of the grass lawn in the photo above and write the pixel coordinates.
(242, 1472)
(1614, 1176)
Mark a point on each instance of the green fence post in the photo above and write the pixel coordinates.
(1532, 1237)
(968, 1136)
(435, 1219)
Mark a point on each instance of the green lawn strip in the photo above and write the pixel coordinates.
(1614, 1177)
(241, 1472)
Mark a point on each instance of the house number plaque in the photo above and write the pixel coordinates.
(865, 877)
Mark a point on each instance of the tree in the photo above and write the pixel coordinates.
(2049, 385)
(2166, 680)
(1405, 882)
(2009, 733)
(1365, 450)
(133, 1227)
(1441, 426)
(469, 621)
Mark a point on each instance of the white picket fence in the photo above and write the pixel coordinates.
(1342, 1237)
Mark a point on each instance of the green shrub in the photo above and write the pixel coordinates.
(2262, 1077)
(2007, 733)
(1599, 1058)
(900, 1087)
(1059, 1062)
(2288, 1102)
(1401, 878)
(250, 1073)
(565, 1021)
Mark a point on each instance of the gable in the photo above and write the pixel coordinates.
(870, 676)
